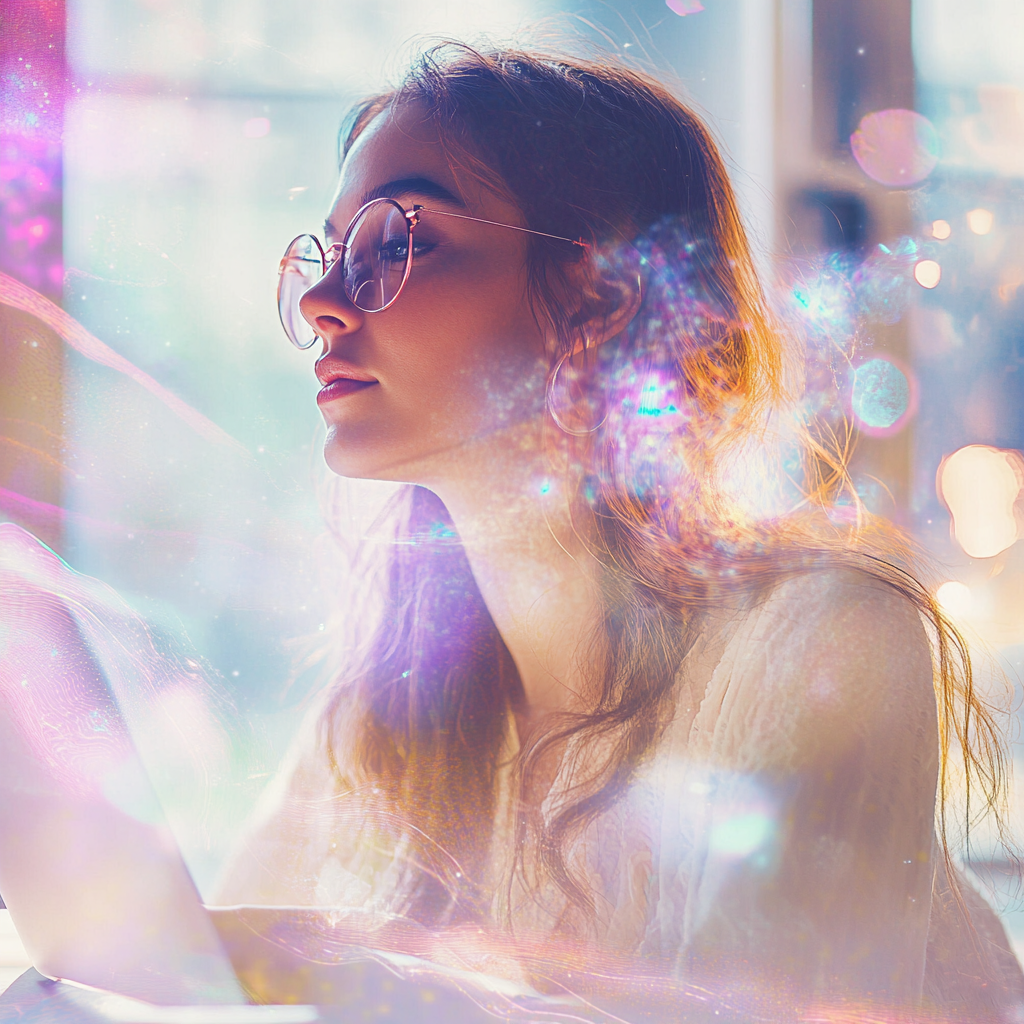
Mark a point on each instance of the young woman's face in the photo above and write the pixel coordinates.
(458, 360)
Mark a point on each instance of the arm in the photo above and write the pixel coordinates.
(819, 733)
(315, 842)
(279, 856)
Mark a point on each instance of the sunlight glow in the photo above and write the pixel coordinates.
(980, 486)
(980, 221)
(927, 273)
(955, 598)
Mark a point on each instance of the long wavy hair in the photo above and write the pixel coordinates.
(696, 399)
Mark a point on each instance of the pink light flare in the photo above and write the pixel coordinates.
(895, 147)
(36, 82)
(33, 231)
(42, 514)
(582, 981)
(20, 296)
(82, 675)
(256, 127)
(684, 7)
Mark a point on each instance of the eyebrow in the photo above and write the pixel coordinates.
(425, 187)
(412, 186)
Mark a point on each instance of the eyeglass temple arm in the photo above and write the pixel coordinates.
(416, 210)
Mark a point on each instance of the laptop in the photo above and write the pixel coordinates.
(89, 869)
(92, 875)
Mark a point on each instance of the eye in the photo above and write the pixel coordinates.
(394, 250)
(397, 250)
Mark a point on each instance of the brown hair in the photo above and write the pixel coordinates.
(597, 151)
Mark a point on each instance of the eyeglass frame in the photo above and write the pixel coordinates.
(412, 218)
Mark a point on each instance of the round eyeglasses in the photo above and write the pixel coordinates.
(376, 255)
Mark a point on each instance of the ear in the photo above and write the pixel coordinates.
(608, 298)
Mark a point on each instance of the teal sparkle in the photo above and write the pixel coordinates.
(881, 393)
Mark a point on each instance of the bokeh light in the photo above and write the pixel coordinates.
(684, 7)
(256, 127)
(881, 394)
(980, 486)
(941, 229)
(980, 221)
(927, 273)
(955, 599)
(741, 835)
(895, 147)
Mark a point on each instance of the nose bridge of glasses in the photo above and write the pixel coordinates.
(332, 253)
(309, 298)
(297, 299)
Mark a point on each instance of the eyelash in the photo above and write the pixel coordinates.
(420, 249)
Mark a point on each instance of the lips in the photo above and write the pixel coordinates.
(340, 387)
(340, 378)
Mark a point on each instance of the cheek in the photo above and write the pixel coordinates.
(501, 386)
(470, 365)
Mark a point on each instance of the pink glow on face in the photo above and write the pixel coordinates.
(895, 147)
(684, 7)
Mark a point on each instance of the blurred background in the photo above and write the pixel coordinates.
(157, 155)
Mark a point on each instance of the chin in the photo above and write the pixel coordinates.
(363, 459)
(354, 465)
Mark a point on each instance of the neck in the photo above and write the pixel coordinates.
(531, 565)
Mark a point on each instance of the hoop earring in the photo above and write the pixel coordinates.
(552, 411)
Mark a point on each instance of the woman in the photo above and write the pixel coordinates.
(614, 696)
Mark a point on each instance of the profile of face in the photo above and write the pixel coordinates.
(457, 365)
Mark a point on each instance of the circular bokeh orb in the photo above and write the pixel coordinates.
(896, 147)
(881, 394)
(927, 273)
(955, 598)
(980, 221)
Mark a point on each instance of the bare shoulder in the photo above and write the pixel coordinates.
(825, 660)
(857, 614)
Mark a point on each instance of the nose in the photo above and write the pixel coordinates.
(327, 309)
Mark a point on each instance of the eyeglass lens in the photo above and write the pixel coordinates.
(375, 264)
(376, 256)
(301, 268)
